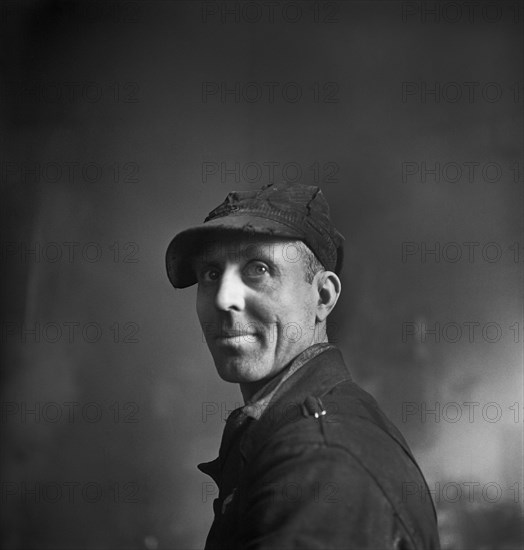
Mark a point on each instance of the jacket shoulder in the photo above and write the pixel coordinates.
(324, 415)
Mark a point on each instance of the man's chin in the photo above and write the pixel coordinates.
(238, 370)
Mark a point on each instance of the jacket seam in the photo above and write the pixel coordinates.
(391, 436)
(408, 528)
(318, 445)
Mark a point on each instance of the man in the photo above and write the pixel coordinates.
(309, 461)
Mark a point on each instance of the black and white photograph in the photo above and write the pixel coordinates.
(262, 275)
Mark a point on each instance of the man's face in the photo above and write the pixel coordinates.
(255, 307)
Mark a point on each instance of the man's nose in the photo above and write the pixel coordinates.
(230, 293)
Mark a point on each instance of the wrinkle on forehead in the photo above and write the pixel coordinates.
(238, 248)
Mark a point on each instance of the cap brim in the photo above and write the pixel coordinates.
(187, 244)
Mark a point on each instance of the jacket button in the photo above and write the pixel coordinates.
(314, 406)
(401, 544)
(227, 500)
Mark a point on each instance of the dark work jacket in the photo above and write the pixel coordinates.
(322, 468)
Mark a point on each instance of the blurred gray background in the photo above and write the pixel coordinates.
(125, 122)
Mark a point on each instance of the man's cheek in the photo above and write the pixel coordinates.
(207, 330)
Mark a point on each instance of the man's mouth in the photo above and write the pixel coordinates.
(235, 335)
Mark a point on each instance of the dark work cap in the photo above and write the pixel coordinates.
(280, 210)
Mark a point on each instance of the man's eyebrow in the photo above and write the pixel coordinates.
(264, 251)
(203, 258)
(259, 250)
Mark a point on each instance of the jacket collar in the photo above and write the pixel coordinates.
(319, 367)
(259, 402)
(316, 377)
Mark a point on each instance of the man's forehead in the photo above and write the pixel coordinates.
(234, 247)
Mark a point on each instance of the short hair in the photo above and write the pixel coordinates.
(311, 263)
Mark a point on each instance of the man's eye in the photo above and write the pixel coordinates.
(256, 269)
(209, 275)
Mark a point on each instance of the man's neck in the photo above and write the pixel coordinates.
(252, 388)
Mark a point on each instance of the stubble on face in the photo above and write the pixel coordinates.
(256, 309)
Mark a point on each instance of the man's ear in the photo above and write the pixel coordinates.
(329, 288)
